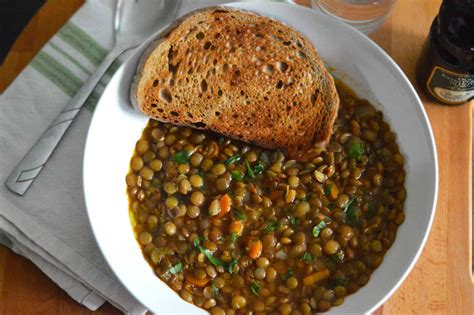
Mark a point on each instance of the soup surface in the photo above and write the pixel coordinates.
(234, 228)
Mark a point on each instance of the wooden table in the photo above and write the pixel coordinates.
(441, 281)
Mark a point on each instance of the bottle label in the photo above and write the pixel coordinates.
(450, 87)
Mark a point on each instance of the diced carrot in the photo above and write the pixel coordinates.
(276, 194)
(316, 277)
(236, 227)
(254, 248)
(333, 191)
(195, 281)
(225, 203)
(251, 188)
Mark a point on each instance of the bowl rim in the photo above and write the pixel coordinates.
(400, 75)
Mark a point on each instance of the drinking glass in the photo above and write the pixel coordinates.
(364, 15)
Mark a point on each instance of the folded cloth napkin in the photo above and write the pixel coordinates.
(48, 225)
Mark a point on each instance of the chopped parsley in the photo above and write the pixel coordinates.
(270, 226)
(293, 220)
(255, 288)
(307, 257)
(231, 266)
(180, 157)
(355, 148)
(334, 282)
(337, 257)
(318, 227)
(288, 275)
(349, 203)
(215, 290)
(239, 215)
(237, 176)
(352, 214)
(206, 252)
(173, 270)
(249, 169)
(328, 189)
(372, 211)
(258, 168)
(233, 237)
(233, 159)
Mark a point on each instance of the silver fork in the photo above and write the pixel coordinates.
(134, 21)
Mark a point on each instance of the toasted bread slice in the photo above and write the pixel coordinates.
(240, 74)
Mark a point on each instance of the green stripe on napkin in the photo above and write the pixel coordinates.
(70, 58)
(58, 74)
(82, 42)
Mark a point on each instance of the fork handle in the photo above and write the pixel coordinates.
(33, 162)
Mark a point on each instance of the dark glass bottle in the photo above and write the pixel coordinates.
(445, 70)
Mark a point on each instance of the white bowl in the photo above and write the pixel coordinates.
(366, 68)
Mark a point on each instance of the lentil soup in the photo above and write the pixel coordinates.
(234, 228)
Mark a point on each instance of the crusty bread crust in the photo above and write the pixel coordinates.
(240, 74)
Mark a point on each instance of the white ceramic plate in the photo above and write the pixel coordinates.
(116, 127)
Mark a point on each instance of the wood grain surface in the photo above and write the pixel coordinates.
(440, 283)
(41, 27)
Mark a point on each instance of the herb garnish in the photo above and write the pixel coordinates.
(233, 237)
(293, 220)
(233, 159)
(240, 215)
(372, 211)
(288, 275)
(237, 176)
(328, 189)
(249, 169)
(173, 270)
(355, 148)
(231, 266)
(257, 169)
(215, 290)
(206, 252)
(318, 227)
(255, 288)
(307, 257)
(270, 226)
(180, 157)
(352, 214)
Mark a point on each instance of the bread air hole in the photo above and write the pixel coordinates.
(203, 86)
(217, 113)
(260, 48)
(279, 85)
(155, 83)
(165, 95)
(300, 54)
(199, 124)
(269, 69)
(282, 66)
(200, 35)
(207, 45)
